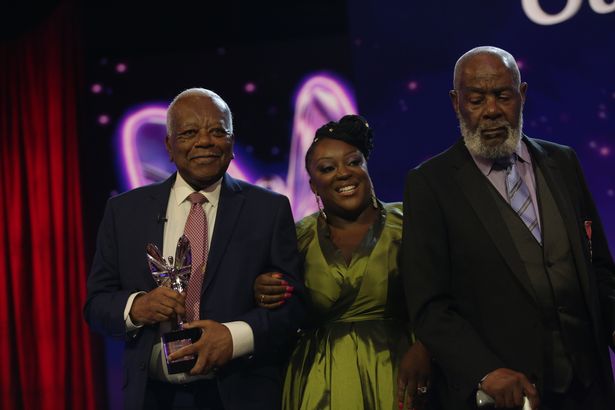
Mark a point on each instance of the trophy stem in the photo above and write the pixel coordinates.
(175, 275)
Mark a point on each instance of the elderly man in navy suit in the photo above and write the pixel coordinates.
(239, 231)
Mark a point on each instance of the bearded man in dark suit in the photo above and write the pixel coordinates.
(508, 274)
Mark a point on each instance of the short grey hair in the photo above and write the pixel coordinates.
(505, 56)
(199, 92)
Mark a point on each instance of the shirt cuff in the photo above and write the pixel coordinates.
(243, 338)
(130, 326)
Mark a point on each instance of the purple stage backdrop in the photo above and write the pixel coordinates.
(393, 64)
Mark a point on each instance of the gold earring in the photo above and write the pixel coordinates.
(321, 208)
(374, 199)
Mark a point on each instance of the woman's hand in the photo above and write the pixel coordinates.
(413, 377)
(271, 291)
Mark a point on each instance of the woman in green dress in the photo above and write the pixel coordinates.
(356, 352)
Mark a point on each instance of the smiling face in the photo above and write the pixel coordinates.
(338, 174)
(488, 99)
(200, 139)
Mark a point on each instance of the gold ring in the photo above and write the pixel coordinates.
(422, 389)
(262, 298)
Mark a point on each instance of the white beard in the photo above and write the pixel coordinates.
(475, 144)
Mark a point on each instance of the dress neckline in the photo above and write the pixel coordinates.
(334, 256)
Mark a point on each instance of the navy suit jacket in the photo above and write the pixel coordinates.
(254, 233)
(468, 291)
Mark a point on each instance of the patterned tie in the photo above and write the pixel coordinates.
(196, 231)
(520, 199)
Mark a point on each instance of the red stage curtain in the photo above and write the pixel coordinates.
(45, 354)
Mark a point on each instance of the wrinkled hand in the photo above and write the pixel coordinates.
(214, 349)
(157, 306)
(413, 377)
(508, 387)
(271, 291)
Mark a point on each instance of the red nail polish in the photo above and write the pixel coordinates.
(290, 288)
(287, 295)
(282, 302)
(283, 283)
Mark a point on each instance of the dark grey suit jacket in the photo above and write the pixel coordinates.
(468, 291)
(254, 233)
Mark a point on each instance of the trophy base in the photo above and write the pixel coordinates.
(175, 340)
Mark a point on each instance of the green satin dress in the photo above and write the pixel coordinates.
(348, 359)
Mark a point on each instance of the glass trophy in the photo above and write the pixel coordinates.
(174, 274)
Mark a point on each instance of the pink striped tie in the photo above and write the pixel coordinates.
(196, 231)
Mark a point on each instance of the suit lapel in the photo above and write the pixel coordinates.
(155, 210)
(229, 207)
(553, 176)
(475, 187)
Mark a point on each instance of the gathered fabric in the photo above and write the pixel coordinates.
(349, 356)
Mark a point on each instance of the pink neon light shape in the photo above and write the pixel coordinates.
(137, 171)
(319, 99)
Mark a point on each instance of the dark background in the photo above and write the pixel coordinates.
(397, 56)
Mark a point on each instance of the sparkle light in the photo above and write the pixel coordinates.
(121, 68)
(96, 88)
(413, 85)
(250, 87)
(103, 119)
(605, 151)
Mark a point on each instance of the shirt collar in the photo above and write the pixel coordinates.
(486, 165)
(182, 189)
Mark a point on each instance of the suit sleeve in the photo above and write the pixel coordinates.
(601, 259)
(106, 300)
(428, 273)
(274, 329)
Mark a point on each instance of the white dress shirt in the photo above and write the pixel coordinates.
(178, 209)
